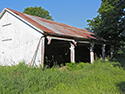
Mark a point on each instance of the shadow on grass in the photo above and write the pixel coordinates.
(122, 87)
(120, 59)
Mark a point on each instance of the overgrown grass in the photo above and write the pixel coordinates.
(83, 78)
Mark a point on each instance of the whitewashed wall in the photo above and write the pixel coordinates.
(18, 41)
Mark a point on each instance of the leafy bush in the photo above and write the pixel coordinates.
(76, 66)
(80, 78)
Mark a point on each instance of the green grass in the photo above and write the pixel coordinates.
(83, 78)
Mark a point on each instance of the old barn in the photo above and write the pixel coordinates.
(39, 41)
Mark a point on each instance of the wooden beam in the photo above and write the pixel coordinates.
(111, 51)
(83, 42)
(58, 38)
(92, 53)
(72, 52)
(49, 40)
(42, 51)
(34, 56)
(103, 51)
(65, 39)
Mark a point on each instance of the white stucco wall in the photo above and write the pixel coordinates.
(18, 41)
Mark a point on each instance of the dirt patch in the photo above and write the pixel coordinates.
(61, 68)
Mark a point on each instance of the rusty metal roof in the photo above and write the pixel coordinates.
(55, 28)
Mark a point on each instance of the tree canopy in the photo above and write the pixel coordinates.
(38, 11)
(110, 22)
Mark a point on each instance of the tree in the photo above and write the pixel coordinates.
(110, 22)
(38, 11)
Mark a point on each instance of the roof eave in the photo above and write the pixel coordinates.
(71, 37)
(2, 13)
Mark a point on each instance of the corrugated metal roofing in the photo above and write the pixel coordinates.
(55, 28)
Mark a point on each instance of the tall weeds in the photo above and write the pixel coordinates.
(82, 78)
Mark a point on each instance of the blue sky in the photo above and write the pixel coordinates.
(71, 12)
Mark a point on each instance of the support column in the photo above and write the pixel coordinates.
(72, 52)
(111, 51)
(42, 51)
(103, 51)
(91, 53)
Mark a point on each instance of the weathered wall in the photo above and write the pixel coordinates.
(18, 41)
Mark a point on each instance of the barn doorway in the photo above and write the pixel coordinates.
(82, 53)
(57, 53)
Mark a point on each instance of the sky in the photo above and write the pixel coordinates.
(71, 12)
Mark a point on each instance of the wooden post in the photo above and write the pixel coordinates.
(111, 51)
(91, 53)
(35, 54)
(103, 51)
(72, 52)
(42, 51)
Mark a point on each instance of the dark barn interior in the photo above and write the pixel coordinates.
(82, 53)
(107, 51)
(57, 53)
(98, 51)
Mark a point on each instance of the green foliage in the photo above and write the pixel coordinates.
(121, 59)
(38, 11)
(82, 78)
(110, 22)
(76, 66)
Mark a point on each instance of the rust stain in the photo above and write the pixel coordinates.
(22, 15)
(52, 27)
